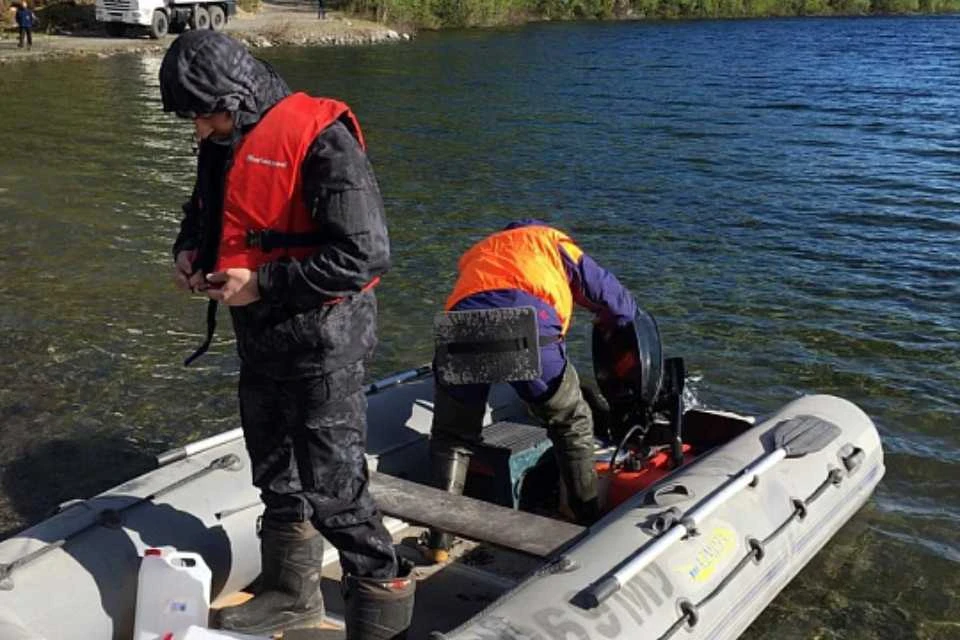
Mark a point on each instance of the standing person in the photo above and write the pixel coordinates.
(529, 264)
(26, 19)
(286, 226)
(321, 10)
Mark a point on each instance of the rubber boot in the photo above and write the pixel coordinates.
(448, 467)
(454, 423)
(291, 559)
(378, 608)
(568, 420)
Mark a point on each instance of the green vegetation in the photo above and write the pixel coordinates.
(435, 14)
(77, 15)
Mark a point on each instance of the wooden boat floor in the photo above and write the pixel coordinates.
(448, 594)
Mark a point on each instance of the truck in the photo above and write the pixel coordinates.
(159, 17)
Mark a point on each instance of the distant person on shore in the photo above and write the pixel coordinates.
(26, 19)
(321, 10)
(286, 226)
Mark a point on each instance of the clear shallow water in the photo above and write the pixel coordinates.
(780, 194)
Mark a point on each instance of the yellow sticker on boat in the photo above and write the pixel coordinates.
(714, 548)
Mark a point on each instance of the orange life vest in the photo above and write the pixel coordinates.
(263, 187)
(525, 258)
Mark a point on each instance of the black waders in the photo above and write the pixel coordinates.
(378, 608)
(449, 460)
(569, 423)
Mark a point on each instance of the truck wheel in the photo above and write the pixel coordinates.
(217, 18)
(116, 29)
(200, 19)
(160, 25)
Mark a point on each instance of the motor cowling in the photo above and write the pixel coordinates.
(629, 369)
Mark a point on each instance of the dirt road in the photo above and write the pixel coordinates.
(277, 23)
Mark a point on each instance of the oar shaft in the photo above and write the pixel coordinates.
(746, 477)
(649, 554)
(398, 378)
(200, 445)
(613, 581)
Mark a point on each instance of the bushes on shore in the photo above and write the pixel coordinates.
(433, 14)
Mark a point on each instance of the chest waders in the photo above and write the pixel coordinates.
(503, 345)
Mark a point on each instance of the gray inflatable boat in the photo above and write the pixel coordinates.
(697, 553)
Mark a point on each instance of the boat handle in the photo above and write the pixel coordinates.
(851, 457)
(671, 494)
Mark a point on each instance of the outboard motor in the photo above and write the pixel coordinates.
(644, 391)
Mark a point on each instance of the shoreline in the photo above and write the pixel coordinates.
(273, 26)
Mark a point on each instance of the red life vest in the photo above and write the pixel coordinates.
(263, 188)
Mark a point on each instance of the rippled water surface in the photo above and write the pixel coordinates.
(781, 194)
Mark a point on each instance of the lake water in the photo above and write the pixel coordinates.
(781, 194)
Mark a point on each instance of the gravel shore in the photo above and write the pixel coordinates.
(276, 24)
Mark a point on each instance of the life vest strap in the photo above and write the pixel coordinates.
(211, 328)
(267, 239)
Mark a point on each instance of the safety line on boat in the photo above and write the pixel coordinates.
(112, 518)
(691, 615)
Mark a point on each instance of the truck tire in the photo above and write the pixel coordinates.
(217, 17)
(116, 29)
(159, 25)
(200, 18)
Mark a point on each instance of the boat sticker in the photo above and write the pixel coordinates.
(622, 614)
(712, 551)
(626, 611)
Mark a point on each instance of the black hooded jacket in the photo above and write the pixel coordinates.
(293, 328)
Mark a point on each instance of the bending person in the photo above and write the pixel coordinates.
(529, 264)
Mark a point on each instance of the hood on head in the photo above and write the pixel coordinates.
(205, 71)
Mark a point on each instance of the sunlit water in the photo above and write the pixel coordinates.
(781, 194)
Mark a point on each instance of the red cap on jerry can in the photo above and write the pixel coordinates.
(153, 552)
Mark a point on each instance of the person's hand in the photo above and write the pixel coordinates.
(184, 276)
(235, 287)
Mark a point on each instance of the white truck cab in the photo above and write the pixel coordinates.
(162, 16)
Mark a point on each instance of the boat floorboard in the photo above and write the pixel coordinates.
(447, 594)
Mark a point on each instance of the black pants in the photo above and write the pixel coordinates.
(306, 438)
(28, 31)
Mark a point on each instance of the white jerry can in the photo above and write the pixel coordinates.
(173, 593)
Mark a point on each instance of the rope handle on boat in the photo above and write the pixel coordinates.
(113, 518)
(757, 552)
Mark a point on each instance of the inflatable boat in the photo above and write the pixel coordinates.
(702, 528)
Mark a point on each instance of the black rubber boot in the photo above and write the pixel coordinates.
(289, 597)
(455, 423)
(448, 468)
(569, 422)
(378, 608)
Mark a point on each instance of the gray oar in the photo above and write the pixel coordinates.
(791, 438)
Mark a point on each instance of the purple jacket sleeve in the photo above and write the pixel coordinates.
(598, 290)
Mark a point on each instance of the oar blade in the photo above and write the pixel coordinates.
(804, 434)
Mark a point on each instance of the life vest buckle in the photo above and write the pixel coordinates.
(259, 239)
